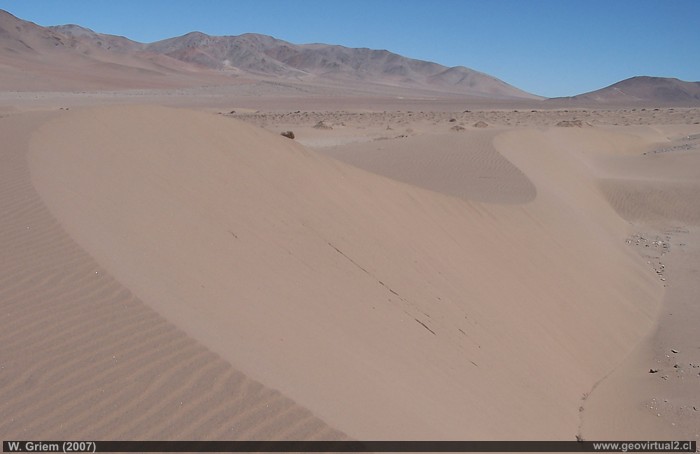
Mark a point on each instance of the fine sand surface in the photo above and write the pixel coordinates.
(82, 357)
(657, 191)
(387, 275)
(387, 310)
(463, 165)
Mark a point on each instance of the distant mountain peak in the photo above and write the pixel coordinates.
(652, 89)
(72, 28)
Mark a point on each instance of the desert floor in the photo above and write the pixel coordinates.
(173, 268)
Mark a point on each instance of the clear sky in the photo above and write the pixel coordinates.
(547, 47)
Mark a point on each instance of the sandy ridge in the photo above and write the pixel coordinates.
(82, 357)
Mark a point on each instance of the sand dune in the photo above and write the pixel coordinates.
(654, 391)
(650, 202)
(437, 255)
(658, 187)
(82, 357)
(388, 310)
(463, 165)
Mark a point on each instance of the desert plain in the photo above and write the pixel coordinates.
(411, 265)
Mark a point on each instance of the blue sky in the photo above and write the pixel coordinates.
(547, 47)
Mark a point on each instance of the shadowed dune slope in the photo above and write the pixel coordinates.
(660, 186)
(461, 165)
(654, 202)
(81, 357)
(388, 310)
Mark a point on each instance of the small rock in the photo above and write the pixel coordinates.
(653, 371)
(322, 125)
(481, 124)
(288, 134)
(674, 351)
(570, 124)
(457, 128)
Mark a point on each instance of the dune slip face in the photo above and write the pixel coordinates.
(81, 357)
(654, 391)
(388, 310)
(648, 176)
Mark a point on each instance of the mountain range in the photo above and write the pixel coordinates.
(35, 57)
(71, 57)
